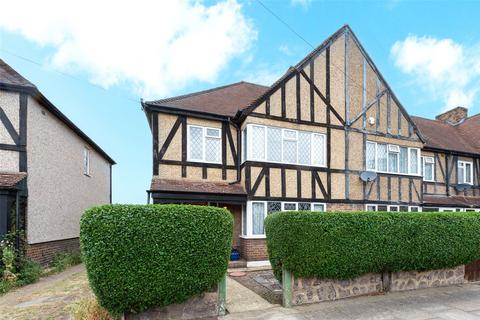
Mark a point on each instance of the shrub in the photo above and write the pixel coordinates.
(140, 256)
(30, 272)
(348, 244)
(65, 259)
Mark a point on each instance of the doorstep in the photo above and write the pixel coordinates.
(242, 263)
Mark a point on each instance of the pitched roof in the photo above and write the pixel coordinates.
(9, 180)
(170, 185)
(464, 137)
(12, 80)
(225, 100)
(11, 77)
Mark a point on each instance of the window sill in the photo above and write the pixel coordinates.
(202, 161)
(254, 237)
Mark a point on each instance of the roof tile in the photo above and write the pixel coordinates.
(169, 185)
(10, 180)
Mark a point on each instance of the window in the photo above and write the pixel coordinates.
(275, 144)
(204, 144)
(393, 153)
(258, 215)
(391, 158)
(256, 211)
(465, 172)
(392, 208)
(86, 161)
(428, 168)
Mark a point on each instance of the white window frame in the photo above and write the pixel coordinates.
(86, 161)
(396, 149)
(461, 163)
(389, 207)
(249, 138)
(249, 215)
(204, 138)
(424, 161)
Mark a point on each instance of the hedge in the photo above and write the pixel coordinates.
(344, 245)
(141, 256)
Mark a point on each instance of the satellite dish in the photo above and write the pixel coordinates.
(463, 187)
(368, 176)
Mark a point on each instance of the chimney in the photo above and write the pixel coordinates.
(454, 116)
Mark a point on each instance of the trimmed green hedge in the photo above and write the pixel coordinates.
(140, 256)
(345, 245)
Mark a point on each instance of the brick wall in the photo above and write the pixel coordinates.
(253, 249)
(345, 207)
(45, 251)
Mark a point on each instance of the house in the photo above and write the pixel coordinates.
(330, 134)
(50, 171)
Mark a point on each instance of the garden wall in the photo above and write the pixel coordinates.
(314, 290)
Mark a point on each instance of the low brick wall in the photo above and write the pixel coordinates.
(198, 307)
(305, 291)
(44, 252)
(253, 249)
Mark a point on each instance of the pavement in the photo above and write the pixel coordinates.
(460, 302)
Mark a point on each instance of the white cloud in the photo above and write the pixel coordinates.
(302, 3)
(285, 49)
(447, 70)
(156, 47)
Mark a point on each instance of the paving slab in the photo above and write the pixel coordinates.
(242, 299)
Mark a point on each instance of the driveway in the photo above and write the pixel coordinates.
(454, 302)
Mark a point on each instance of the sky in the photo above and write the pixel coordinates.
(95, 60)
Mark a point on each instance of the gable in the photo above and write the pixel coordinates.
(338, 85)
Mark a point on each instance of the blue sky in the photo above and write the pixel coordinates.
(96, 65)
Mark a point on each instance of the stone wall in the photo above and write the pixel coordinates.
(401, 281)
(316, 290)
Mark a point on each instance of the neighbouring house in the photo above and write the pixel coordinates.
(330, 134)
(50, 171)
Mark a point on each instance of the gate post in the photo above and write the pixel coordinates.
(222, 296)
(287, 288)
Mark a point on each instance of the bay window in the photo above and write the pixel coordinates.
(392, 158)
(273, 144)
(204, 144)
(392, 208)
(465, 172)
(255, 212)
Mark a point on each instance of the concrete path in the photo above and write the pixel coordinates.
(242, 299)
(460, 302)
(49, 298)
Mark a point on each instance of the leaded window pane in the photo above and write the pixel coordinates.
(403, 168)
(304, 206)
(461, 175)
(414, 161)
(274, 144)
(212, 149)
(371, 208)
(290, 151)
(258, 143)
(213, 133)
(290, 134)
(403, 208)
(370, 156)
(468, 173)
(413, 209)
(428, 171)
(318, 207)
(274, 207)
(244, 145)
(304, 148)
(318, 149)
(382, 208)
(392, 162)
(196, 143)
(393, 209)
(382, 157)
(258, 215)
(244, 221)
(290, 207)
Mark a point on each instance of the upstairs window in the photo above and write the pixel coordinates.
(204, 144)
(273, 144)
(465, 172)
(392, 158)
(86, 161)
(428, 168)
